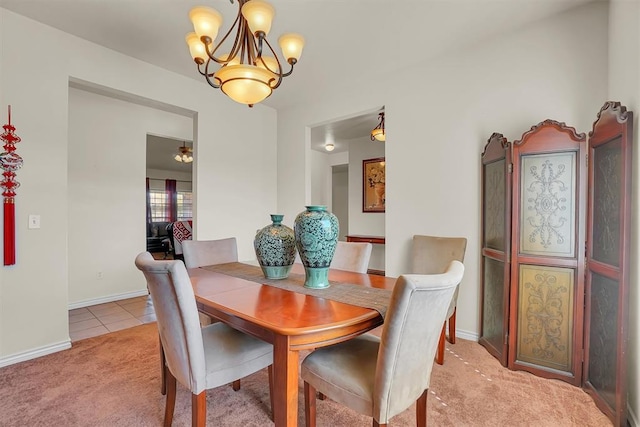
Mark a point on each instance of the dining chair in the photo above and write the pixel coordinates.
(198, 358)
(382, 377)
(352, 256)
(432, 255)
(349, 256)
(198, 253)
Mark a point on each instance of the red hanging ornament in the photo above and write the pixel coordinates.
(10, 162)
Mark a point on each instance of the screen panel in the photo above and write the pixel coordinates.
(607, 176)
(493, 327)
(603, 335)
(547, 204)
(494, 206)
(545, 323)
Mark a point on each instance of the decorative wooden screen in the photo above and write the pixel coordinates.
(607, 281)
(547, 252)
(496, 221)
(563, 299)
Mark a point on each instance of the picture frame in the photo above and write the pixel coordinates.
(374, 185)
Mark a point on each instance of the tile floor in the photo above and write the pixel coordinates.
(100, 319)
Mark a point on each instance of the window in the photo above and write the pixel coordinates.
(160, 209)
(159, 201)
(185, 205)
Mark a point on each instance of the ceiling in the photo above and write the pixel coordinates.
(161, 152)
(342, 37)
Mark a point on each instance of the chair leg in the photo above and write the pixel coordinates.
(452, 327)
(163, 367)
(270, 370)
(421, 410)
(199, 409)
(236, 385)
(309, 405)
(171, 397)
(440, 352)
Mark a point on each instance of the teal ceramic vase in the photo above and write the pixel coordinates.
(275, 247)
(316, 232)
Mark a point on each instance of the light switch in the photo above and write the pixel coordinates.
(34, 221)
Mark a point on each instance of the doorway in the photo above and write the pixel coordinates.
(340, 197)
(169, 191)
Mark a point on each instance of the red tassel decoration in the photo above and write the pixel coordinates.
(10, 162)
(9, 232)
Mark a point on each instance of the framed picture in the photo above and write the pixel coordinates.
(373, 185)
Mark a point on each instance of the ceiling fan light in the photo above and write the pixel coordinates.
(259, 15)
(291, 45)
(206, 21)
(246, 84)
(329, 146)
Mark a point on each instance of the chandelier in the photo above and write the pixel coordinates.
(250, 71)
(184, 154)
(377, 134)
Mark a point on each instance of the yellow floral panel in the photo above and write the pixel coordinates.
(545, 323)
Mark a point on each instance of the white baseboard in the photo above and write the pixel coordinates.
(109, 298)
(466, 335)
(34, 353)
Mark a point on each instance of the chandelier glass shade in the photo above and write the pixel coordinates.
(184, 154)
(378, 134)
(249, 70)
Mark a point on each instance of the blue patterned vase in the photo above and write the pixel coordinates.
(316, 232)
(275, 247)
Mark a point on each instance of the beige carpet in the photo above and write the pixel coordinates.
(114, 380)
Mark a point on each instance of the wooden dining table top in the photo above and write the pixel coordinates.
(291, 321)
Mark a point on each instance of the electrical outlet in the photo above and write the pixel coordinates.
(34, 221)
(99, 275)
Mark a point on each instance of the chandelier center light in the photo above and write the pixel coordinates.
(249, 70)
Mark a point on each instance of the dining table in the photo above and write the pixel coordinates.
(291, 317)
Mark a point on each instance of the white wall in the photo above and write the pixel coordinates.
(438, 118)
(624, 86)
(106, 190)
(320, 179)
(234, 172)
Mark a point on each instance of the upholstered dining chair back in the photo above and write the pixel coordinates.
(352, 256)
(432, 255)
(198, 358)
(198, 253)
(410, 337)
(383, 377)
(177, 318)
